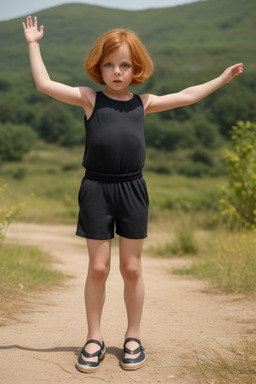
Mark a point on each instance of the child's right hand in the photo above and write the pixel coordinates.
(31, 32)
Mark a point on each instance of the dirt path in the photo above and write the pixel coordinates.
(179, 318)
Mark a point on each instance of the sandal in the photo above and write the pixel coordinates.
(90, 366)
(138, 362)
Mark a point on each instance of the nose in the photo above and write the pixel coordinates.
(117, 70)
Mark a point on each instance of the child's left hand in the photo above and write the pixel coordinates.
(231, 72)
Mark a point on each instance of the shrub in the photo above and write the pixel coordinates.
(205, 131)
(169, 135)
(56, 124)
(16, 140)
(239, 197)
(202, 155)
(161, 168)
(197, 169)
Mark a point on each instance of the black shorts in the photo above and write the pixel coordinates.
(104, 205)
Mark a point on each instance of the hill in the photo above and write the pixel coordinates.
(74, 27)
(189, 44)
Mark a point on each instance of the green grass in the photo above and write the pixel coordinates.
(227, 261)
(27, 268)
(53, 174)
(24, 271)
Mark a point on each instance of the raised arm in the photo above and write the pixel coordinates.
(62, 92)
(190, 95)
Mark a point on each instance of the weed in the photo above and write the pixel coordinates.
(184, 241)
(8, 214)
(228, 262)
(236, 365)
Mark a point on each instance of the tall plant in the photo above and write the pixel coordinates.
(239, 197)
(8, 214)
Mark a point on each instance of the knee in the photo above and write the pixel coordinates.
(130, 271)
(99, 272)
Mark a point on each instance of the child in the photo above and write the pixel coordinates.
(113, 190)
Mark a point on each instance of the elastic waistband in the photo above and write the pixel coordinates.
(108, 178)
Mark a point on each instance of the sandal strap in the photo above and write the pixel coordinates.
(95, 354)
(137, 350)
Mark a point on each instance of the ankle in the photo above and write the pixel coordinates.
(134, 335)
(94, 336)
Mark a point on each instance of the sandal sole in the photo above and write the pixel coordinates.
(132, 367)
(88, 369)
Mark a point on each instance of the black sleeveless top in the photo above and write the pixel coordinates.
(115, 142)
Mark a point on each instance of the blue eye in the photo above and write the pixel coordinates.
(107, 65)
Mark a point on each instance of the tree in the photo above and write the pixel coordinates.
(16, 140)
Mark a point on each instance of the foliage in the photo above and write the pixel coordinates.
(8, 214)
(16, 140)
(55, 124)
(239, 201)
(219, 32)
(202, 155)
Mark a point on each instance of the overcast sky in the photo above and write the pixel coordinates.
(10, 9)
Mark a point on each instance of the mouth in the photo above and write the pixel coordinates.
(117, 81)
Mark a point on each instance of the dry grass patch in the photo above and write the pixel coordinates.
(236, 365)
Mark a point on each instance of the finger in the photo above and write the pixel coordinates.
(239, 65)
(42, 29)
(29, 21)
(24, 26)
(35, 22)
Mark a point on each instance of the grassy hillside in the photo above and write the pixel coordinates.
(189, 44)
(71, 29)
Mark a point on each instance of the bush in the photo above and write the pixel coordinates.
(57, 125)
(197, 169)
(239, 197)
(16, 141)
(169, 135)
(161, 168)
(205, 131)
(202, 155)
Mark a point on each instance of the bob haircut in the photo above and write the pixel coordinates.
(142, 66)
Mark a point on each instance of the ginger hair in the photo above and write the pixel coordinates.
(142, 66)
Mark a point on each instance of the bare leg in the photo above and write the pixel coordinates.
(94, 294)
(131, 270)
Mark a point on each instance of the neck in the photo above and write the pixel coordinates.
(122, 95)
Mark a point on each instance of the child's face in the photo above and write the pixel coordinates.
(116, 69)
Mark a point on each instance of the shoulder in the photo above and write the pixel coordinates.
(88, 94)
(146, 99)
